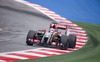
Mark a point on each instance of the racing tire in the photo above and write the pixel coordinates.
(72, 40)
(30, 35)
(64, 42)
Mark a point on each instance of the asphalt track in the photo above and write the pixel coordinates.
(16, 20)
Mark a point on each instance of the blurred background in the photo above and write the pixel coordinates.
(74, 10)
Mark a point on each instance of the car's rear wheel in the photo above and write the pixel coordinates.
(72, 40)
(30, 37)
(64, 42)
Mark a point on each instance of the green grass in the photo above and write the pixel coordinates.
(89, 53)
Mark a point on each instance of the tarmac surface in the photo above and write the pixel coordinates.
(16, 20)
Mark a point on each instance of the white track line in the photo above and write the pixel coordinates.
(13, 56)
(32, 54)
(3, 61)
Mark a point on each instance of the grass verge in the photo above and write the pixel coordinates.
(89, 53)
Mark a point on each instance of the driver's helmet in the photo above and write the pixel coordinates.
(52, 30)
(54, 26)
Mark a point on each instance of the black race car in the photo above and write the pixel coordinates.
(56, 36)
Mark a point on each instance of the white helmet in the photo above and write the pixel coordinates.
(52, 30)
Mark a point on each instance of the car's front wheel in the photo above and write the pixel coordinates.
(30, 37)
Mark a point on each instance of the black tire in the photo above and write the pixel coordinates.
(64, 42)
(30, 35)
(72, 40)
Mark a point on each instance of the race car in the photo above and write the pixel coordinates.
(56, 36)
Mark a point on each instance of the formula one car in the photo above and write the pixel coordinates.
(55, 36)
